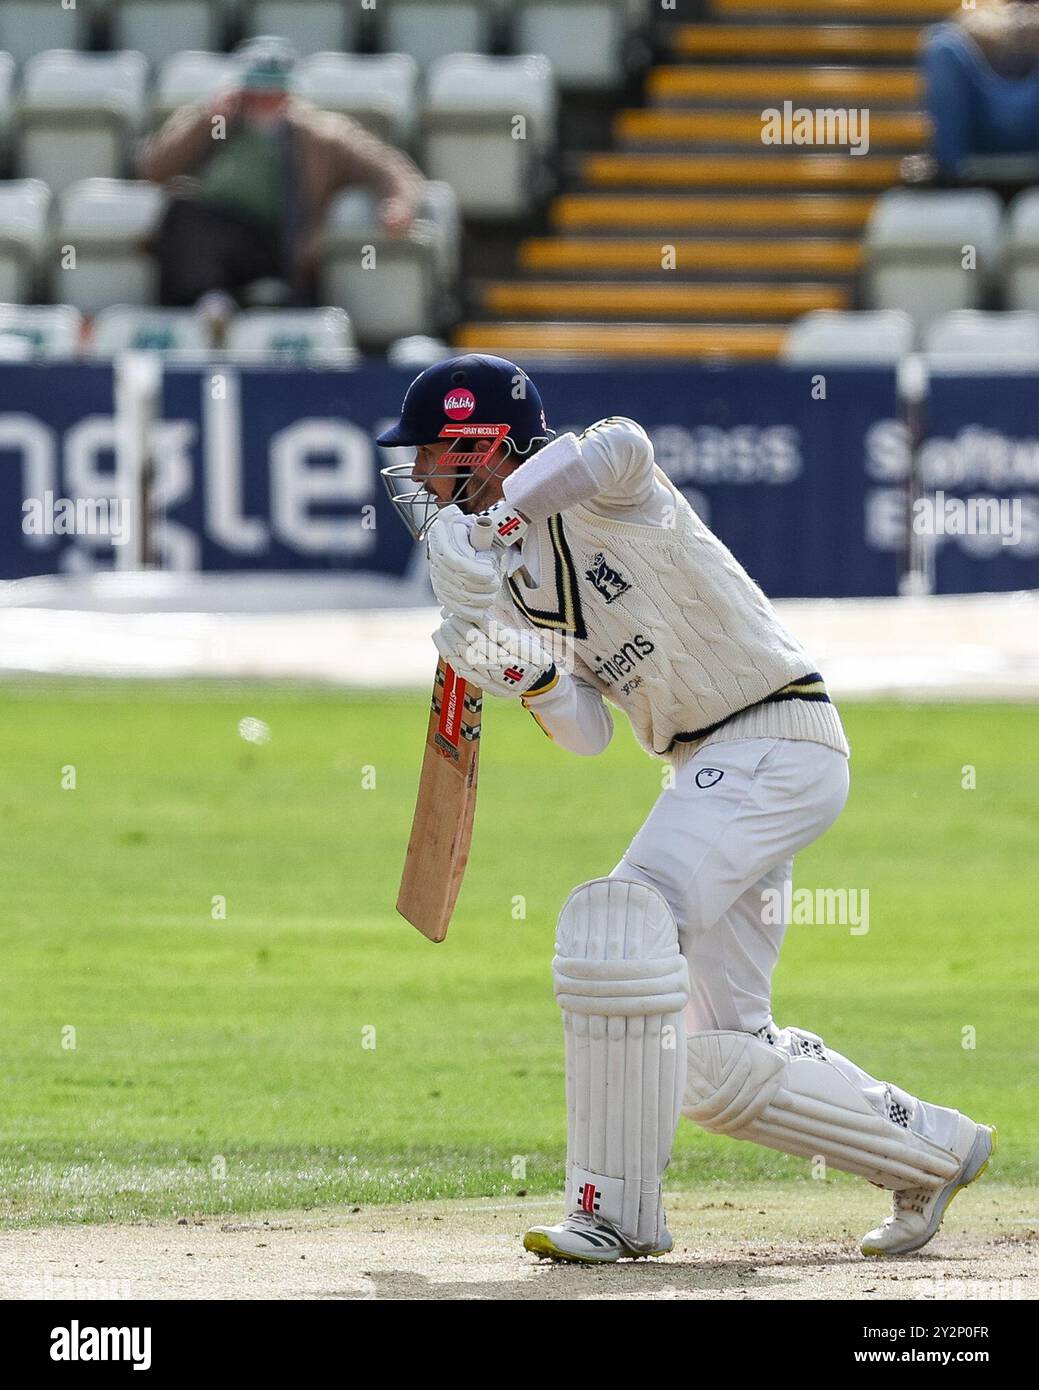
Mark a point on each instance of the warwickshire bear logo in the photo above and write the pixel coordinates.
(606, 579)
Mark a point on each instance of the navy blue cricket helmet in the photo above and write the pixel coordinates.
(476, 402)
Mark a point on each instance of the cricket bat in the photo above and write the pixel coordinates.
(442, 828)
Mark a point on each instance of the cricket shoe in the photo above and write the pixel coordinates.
(918, 1211)
(585, 1239)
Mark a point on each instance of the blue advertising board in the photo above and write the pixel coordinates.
(979, 467)
(275, 468)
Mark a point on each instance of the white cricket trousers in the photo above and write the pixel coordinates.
(714, 843)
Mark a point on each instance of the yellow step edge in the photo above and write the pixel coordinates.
(908, 10)
(553, 298)
(776, 85)
(811, 40)
(580, 253)
(745, 127)
(744, 171)
(574, 211)
(755, 342)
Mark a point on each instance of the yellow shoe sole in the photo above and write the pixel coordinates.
(875, 1252)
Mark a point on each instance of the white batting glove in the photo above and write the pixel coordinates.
(510, 525)
(466, 581)
(500, 661)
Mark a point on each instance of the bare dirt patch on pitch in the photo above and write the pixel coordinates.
(788, 1241)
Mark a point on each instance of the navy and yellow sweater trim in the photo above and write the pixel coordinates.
(810, 687)
(544, 683)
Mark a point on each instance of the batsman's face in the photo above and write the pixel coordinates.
(424, 472)
(472, 488)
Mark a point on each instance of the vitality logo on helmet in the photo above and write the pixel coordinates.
(459, 405)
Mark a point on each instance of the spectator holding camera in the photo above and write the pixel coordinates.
(251, 177)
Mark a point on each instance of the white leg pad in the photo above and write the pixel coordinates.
(622, 984)
(790, 1095)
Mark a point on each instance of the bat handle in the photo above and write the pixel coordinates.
(481, 533)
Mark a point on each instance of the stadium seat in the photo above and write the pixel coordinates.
(77, 115)
(584, 40)
(1022, 251)
(993, 170)
(870, 337)
(125, 328)
(468, 124)
(430, 29)
(313, 26)
(295, 335)
(916, 244)
(158, 28)
(417, 352)
(24, 205)
(403, 291)
(51, 330)
(108, 222)
(190, 77)
(973, 340)
(28, 27)
(441, 216)
(378, 90)
(6, 102)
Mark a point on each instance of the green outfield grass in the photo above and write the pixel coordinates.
(226, 1065)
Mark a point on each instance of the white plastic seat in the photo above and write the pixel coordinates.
(158, 28)
(28, 27)
(869, 337)
(24, 205)
(417, 352)
(974, 340)
(77, 115)
(916, 245)
(379, 90)
(406, 290)
(50, 330)
(7, 71)
(430, 29)
(125, 327)
(1022, 251)
(294, 335)
(584, 40)
(469, 125)
(441, 214)
(108, 222)
(190, 77)
(313, 26)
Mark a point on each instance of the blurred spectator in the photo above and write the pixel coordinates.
(981, 72)
(251, 178)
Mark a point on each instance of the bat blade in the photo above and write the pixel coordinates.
(442, 828)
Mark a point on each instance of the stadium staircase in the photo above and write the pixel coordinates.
(761, 233)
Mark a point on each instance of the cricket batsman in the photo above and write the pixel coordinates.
(663, 967)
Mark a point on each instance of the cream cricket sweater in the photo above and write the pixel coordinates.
(656, 614)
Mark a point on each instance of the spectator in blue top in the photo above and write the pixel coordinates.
(981, 72)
